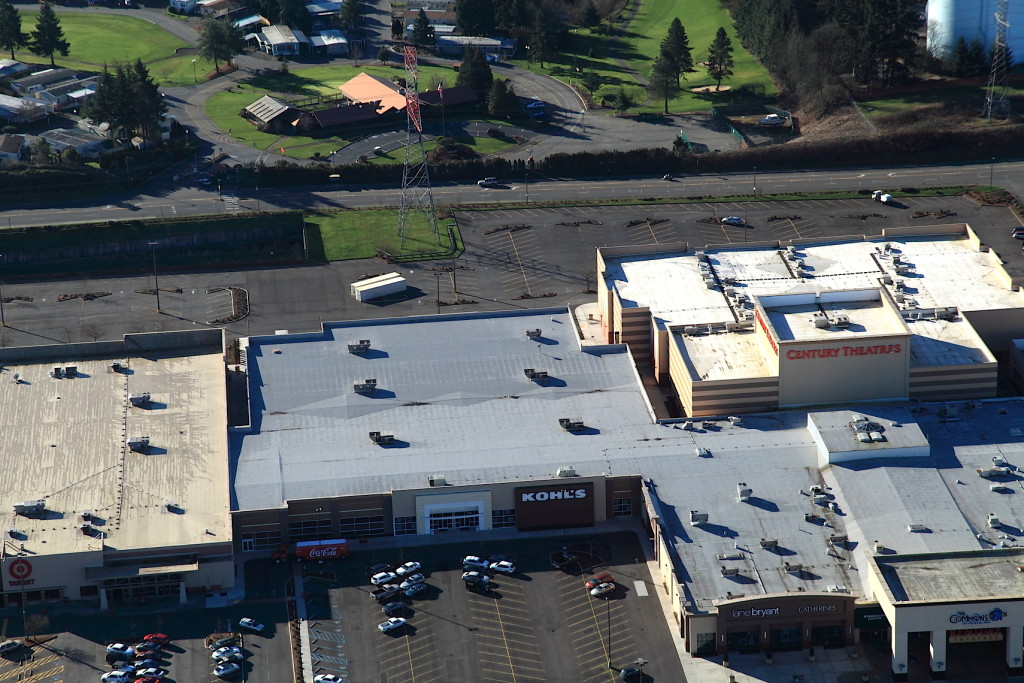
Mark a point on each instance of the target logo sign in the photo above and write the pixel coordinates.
(19, 570)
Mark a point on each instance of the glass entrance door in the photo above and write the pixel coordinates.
(463, 520)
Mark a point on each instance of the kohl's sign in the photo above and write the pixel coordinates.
(563, 494)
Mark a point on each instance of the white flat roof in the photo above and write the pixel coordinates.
(866, 318)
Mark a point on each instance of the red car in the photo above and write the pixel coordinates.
(149, 679)
(160, 638)
(597, 579)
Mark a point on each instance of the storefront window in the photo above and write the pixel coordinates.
(622, 508)
(827, 636)
(502, 519)
(704, 644)
(742, 641)
(405, 525)
(780, 639)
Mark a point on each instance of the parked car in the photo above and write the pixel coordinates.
(412, 580)
(10, 646)
(382, 578)
(487, 182)
(409, 568)
(392, 624)
(147, 647)
(733, 220)
(603, 589)
(145, 663)
(117, 677)
(476, 578)
(772, 121)
(328, 678)
(597, 579)
(159, 638)
(413, 591)
(474, 563)
(120, 650)
(225, 654)
(630, 673)
(503, 567)
(386, 592)
(564, 560)
(378, 568)
(502, 558)
(1018, 234)
(395, 609)
(222, 642)
(251, 624)
(227, 669)
(151, 673)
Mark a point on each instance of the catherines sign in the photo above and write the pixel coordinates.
(554, 506)
(843, 351)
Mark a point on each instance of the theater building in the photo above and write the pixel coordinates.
(914, 314)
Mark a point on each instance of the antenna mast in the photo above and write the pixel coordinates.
(996, 99)
(416, 193)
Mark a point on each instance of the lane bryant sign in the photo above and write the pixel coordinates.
(554, 506)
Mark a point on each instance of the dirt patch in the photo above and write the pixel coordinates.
(997, 198)
(85, 296)
(711, 88)
(841, 125)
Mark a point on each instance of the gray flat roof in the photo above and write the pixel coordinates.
(943, 577)
(452, 391)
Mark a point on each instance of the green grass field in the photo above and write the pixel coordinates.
(637, 46)
(105, 39)
(358, 234)
(896, 104)
(482, 146)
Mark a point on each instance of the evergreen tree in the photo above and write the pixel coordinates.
(349, 15)
(100, 107)
(542, 43)
(383, 55)
(475, 73)
(48, 36)
(219, 41)
(475, 17)
(591, 82)
(720, 57)
(502, 101)
(620, 100)
(662, 82)
(293, 13)
(512, 17)
(960, 62)
(677, 46)
(422, 31)
(129, 101)
(589, 16)
(11, 36)
(397, 28)
(977, 63)
(147, 101)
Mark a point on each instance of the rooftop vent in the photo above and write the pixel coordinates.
(116, 367)
(139, 444)
(86, 529)
(730, 571)
(565, 472)
(367, 386)
(821, 321)
(171, 506)
(381, 439)
(743, 492)
(359, 347)
(140, 400)
(29, 508)
(571, 425)
(876, 436)
(769, 543)
(535, 375)
(437, 480)
(917, 528)
(698, 518)
(86, 515)
(57, 373)
(735, 555)
(993, 521)
(842, 320)
(736, 419)
(999, 461)
(816, 489)
(794, 568)
(12, 533)
(838, 539)
(533, 334)
(71, 371)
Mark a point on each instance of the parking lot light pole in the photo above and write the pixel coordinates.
(640, 661)
(991, 170)
(195, 79)
(156, 278)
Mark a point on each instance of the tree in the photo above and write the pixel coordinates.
(677, 46)
(349, 15)
(474, 17)
(397, 28)
(591, 81)
(502, 100)
(219, 41)
(40, 151)
(147, 102)
(129, 101)
(619, 100)
(422, 31)
(48, 36)
(383, 55)
(720, 58)
(589, 16)
(475, 73)
(542, 44)
(11, 36)
(960, 62)
(662, 82)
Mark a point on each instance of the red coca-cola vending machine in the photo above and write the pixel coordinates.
(330, 549)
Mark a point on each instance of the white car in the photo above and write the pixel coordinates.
(227, 669)
(120, 650)
(151, 673)
(603, 589)
(409, 568)
(504, 567)
(772, 120)
(328, 678)
(226, 654)
(117, 677)
(474, 562)
(412, 580)
(382, 578)
(391, 624)
(251, 624)
(732, 220)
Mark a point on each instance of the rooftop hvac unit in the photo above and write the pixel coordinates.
(769, 543)
(570, 425)
(728, 279)
(791, 249)
(842, 320)
(820, 499)
(887, 279)
(902, 269)
(900, 297)
(171, 506)
(381, 439)
(743, 492)
(86, 515)
(709, 282)
(747, 315)
(817, 488)
(57, 372)
(359, 347)
(29, 508)
(533, 334)
(139, 444)
(367, 386)
(116, 367)
(821, 321)
(698, 518)
(71, 371)
(437, 480)
(896, 259)
(876, 436)
(994, 472)
(86, 529)
(730, 291)
(741, 298)
(900, 286)
(701, 452)
(12, 533)
(838, 539)
(140, 400)
(863, 437)
(535, 374)
(735, 327)
(999, 461)
(917, 528)
(735, 419)
(701, 256)
(794, 568)
(688, 425)
(730, 556)
(879, 548)
(692, 330)
(998, 488)
(836, 588)
(993, 521)
(730, 571)
(565, 472)
(946, 313)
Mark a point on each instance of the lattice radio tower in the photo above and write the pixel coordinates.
(416, 193)
(996, 99)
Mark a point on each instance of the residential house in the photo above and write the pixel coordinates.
(329, 42)
(436, 16)
(439, 30)
(368, 88)
(9, 68)
(216, 8)
(272, 114)
(20, 110)
(280, 40)
(66, 94)
(454, 45)
(252, 22)
(40, 80)
(183, 6)
(88, 145)
(324, 8)
(12, 148)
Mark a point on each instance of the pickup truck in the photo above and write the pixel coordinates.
(385, 592)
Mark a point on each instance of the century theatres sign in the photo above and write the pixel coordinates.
(767, 333)
(843, 351)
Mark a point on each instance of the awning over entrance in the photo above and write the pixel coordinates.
(128, 571)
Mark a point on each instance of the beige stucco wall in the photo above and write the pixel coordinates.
(840, 377)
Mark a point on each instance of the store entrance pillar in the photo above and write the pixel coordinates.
(103, 599)
(938, 655)
(182, 595)
(899, 655)
(1014, 641)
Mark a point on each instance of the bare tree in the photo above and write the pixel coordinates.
(36, 624)
(92, 331)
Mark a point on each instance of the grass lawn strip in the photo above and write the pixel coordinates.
(358, 234)
(482, 146)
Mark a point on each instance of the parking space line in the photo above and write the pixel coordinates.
(44, 674)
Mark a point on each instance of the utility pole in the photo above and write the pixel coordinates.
(156, 278)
